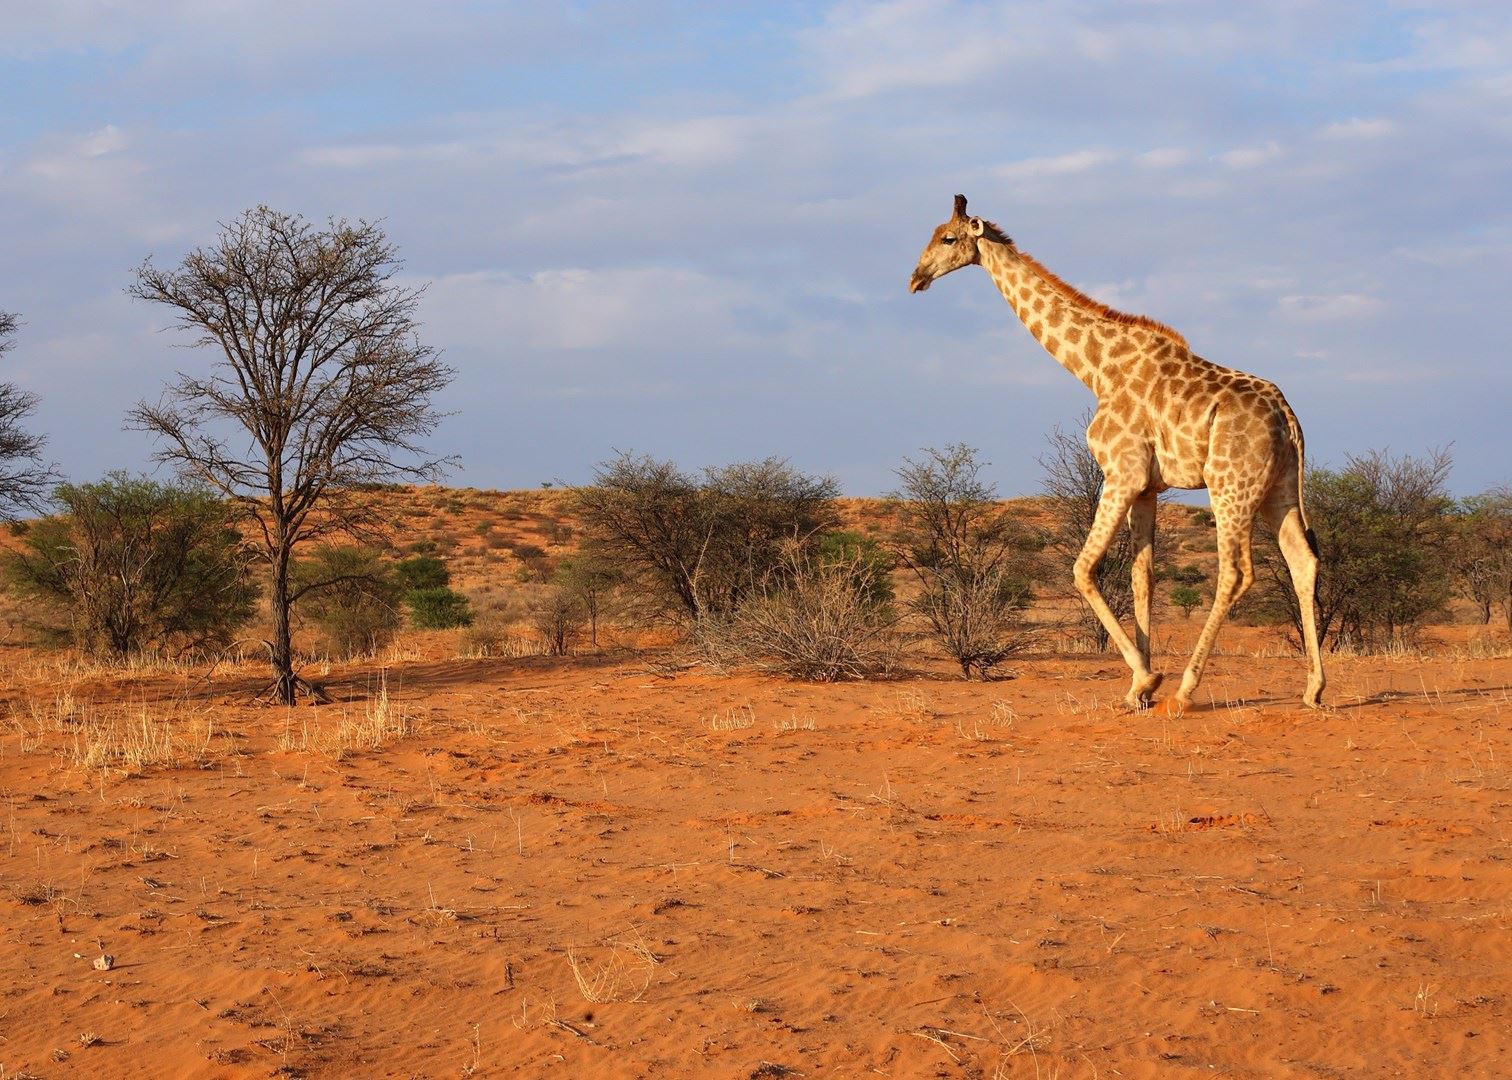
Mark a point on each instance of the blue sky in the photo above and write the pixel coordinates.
(687, 230)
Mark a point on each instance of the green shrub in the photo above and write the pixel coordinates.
(422, 572)
(871, 562)
(1186, 598)
(1187, 575)
(438, 608)
(134, 564)
(1481, 554)
(352, 597)
(696, 545)
(1384, 536)
(594, 581)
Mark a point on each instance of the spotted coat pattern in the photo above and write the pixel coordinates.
(1165, 418)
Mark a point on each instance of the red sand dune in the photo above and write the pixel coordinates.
(586, 868)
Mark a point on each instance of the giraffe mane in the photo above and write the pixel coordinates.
(1097, 307)
(990, 231)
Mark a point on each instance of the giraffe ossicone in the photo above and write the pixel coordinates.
(1166, 418)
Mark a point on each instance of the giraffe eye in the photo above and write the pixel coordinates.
(947, 239)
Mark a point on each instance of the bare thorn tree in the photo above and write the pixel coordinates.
(24, 479)
(322, 388)
(974, 560)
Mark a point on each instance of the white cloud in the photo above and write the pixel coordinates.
(1359, 128)
(1166, 157)
(693, 142)
(1078, 161)
(107, 140)
(233, 35)
(91, 171)
(1472, 42)
(1250, 157)
(1117, 50)
(864, 49)
(1328, 307)
(575, 308)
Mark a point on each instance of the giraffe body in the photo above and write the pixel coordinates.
(1166, 418)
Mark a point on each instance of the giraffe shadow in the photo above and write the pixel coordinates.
(1458, 696)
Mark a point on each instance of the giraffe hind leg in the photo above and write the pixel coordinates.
(1236, 572)
(1299, 547)
(1142, 569)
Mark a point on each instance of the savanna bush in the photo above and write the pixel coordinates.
(822, 615)
(974, 559)
(1384, 529)
(696, 546)
(130, 564)
(352, 596)
(437, 608)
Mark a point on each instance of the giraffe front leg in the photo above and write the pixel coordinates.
(1115, 503)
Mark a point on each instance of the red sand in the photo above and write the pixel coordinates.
(582, 868)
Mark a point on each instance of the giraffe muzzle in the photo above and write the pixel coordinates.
(918, 283)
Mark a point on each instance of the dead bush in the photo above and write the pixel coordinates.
(820, 618)
(975, 561)
(558, 617)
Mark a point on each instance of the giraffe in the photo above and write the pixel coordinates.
(1165, 418)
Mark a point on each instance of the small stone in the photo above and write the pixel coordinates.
(104, 962)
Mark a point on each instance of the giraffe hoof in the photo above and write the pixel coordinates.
(1142, 693)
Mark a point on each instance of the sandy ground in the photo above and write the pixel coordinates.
(590, 868)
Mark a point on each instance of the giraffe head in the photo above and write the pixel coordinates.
(953, 245)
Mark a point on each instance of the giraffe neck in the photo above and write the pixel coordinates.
(1085, 337)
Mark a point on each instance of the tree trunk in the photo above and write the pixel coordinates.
(282, 648)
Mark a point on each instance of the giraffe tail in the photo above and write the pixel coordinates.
(1294, 430)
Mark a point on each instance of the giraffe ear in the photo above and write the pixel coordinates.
(976, 227)
(960, 206)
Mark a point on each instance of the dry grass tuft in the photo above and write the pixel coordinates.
(125, 742)
(735, 718)
(792, 723)
(125, 739)
(1483, 647)
(379, 723)
(819, 620)
(914, 708)
(623, 976)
